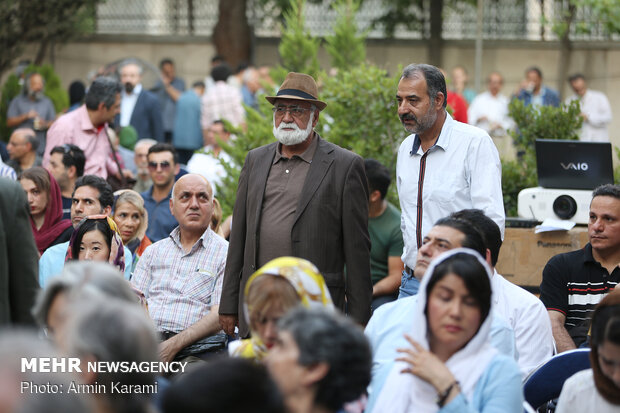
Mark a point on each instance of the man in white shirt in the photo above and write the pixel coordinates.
(443, 166)
(489, 110)
(523, 311)
(208, 161)
(595, 110)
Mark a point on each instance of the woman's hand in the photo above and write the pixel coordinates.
(425, 365)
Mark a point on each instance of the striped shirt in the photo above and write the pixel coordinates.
(574, 283)
(181, 287)
(6, 171)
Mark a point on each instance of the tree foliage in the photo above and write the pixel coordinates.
(346, 46)
(298, 49)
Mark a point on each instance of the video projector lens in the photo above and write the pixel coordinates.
(565, 206)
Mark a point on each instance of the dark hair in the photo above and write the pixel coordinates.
(473, 238)
(435, 81)
(221, 72)
(72, 155)
(40, 177)
(220, 122)
(218, 58)
(165, 61)
(232, 385)
(106, 195)
(474, 276)
(30, 138)
(327, 337)
(607, 190)
(77, 91)
(163, 147)
(576, 76)
(378, 176)
(605, 327)
(241, 67)
(489, 230)
(100, 225)
(199, 83)
(534, 69)
(102, 90)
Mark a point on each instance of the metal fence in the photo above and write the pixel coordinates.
(503, 19)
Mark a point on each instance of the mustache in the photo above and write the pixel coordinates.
(408, 116)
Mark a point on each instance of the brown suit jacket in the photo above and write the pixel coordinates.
(330, 229)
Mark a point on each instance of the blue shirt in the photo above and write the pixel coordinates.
(409, 285)
(161, 221)
(187, 131)
(53, 260)
(166, 103)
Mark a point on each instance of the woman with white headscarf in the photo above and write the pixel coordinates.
(451, 365)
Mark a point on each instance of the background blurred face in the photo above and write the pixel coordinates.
(609, 360)
(192, 203)
(453, 314)
(282, 363)
(162, 168)
(216, 131)
(415, 108)
(18, 146)
(495, 83)
(265, 325)
(140, 156)
(58, 170)
(533, 80)
(112, 111)
(130, 77)
(167, 70)
(94, 247)
(579, 86)
(36, 83)
(128, 218)
(85, 202)
(37, 199)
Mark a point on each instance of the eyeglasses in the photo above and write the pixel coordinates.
(295, 111)
(165, 165)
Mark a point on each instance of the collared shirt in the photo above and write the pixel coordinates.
(52, 262)
(6, 171)
(573, 283)
(75, 127)
(222, 101)
(180, 286)
(128, 103)
(462, 170)
(596, 107)
(284, 185)
(579, 394)
(166, 103)
(161, 220)
(494, 109)
(528, 317)
(209, 166)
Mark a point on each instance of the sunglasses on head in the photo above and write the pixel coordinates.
(164, 165)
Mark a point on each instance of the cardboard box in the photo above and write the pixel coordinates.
(524, 254)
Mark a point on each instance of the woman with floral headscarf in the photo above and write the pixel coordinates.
(96, 238)
(273, 290)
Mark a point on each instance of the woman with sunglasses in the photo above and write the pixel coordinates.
(450, 365)
(45, 203)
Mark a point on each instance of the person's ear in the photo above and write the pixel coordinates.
(488, 258)
(170, 202)
(375, 196)
(315, 373)
(316, 118)
(107, 210)
(439, 99)
(72, 171)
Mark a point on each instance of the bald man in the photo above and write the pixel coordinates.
(181, 276)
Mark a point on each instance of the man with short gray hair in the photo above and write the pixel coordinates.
(87, 126)
(443, 166)
(22, 148)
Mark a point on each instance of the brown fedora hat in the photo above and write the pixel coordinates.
(298, 86)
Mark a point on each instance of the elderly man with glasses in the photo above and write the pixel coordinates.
(163, 167)
(300, 196)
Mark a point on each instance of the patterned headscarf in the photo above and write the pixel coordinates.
(307, 282)
(117, 250)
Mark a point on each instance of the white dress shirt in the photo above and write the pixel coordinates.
(579, 394)
(209, 166)
(528, 317)
(495, 109)
(595, 106)
(128, 103)
(462, 170)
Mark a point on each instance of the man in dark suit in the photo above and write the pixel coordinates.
(139, 107)
(18, 256)
(301, 196)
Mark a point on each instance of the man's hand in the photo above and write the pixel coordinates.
(228, 323)
(168, 349)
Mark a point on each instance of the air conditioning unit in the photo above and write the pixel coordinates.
(566, 204)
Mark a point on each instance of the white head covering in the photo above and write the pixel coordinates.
(404, 392)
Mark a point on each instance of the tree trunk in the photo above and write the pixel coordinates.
(435, 42)
(566, 50)
(41, 52)
(232, 33)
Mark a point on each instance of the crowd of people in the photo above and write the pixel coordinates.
(116, 265)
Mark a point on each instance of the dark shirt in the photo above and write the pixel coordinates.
(23, 104)
(284, 184)
(161, 221)
(574, 283)
(66, 208)
(166, 103)
(14, 163)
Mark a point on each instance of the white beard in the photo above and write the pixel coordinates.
(292, 137)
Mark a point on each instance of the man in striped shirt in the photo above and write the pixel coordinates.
(575, 282)
(181, 276)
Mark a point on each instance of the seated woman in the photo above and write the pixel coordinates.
(451, 365)
(96, 238)
(45, 202)
(132, 220)
(277, 287)
(598, 389)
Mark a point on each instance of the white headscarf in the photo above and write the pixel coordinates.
(404, 392)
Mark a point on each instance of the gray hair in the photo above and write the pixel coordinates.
(435, 81)
(114, 331)
(145, 141)
(607, 190)
(30, 137)
(103, 89)
(328, 337)
(131, 61)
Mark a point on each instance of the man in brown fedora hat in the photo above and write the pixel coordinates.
(300, 196)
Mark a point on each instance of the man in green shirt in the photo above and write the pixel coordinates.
(386, 238)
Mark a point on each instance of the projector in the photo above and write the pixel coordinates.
(567, 204)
